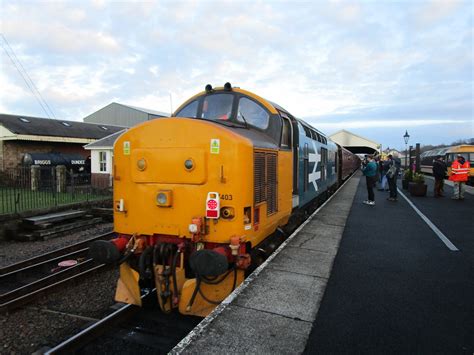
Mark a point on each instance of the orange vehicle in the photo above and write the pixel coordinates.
(202, 197)
(449, 154)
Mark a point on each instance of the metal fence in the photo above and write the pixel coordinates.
(26, 189)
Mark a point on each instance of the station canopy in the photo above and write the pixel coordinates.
(355, 143)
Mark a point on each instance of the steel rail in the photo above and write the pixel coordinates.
(27, 293)
(55, 253)
(75, 254)
(95, 330)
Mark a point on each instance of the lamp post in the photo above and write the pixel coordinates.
(406, 137)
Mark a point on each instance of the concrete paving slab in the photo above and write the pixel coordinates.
(331, 219)
(324, 243)
(304, 261)
(320, 230)
(340, 206)
(286, 293)
(258, 333)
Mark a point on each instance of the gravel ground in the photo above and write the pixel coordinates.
(57, 316)
(15, 251)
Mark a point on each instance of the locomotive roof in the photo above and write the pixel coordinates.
(37, 126)
(268, 104)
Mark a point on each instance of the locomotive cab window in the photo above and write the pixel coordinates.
(217, 107)
(190, 110)
(252, 113)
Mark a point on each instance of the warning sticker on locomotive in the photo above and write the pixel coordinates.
(126, 148)
(215, 146)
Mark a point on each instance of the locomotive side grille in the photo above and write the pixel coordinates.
(259, 177)
(272, 183)
(266, 180)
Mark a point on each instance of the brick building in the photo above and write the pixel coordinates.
(22, 134)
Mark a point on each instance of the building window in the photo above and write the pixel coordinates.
(102, 161)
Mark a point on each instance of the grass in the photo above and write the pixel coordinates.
(13, 200)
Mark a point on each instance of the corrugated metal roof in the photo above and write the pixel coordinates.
(37, 126)
(147, 110)
(107, 142)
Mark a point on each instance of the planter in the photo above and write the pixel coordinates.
(405, 184)
(417, 189)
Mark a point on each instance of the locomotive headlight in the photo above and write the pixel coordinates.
(193, 228)
(141, 164)
(163, 198)
(227, 212)
(189, 164)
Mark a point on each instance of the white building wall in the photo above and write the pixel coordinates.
(95, 161)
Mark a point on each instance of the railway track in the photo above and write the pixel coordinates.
(130, 329)
(22, 282)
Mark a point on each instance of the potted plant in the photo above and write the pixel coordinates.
(407, 178)
(418, 187)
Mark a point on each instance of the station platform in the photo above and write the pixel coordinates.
(396, 277)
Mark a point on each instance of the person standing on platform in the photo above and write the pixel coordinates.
(459, 176)
(385, 167)
(439, 173)
(392, 175)
(369, 169)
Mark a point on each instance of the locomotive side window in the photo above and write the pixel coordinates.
(190, 110)
(307, 131)
(252, 113)
(306, 166)
(324, 163)
(286, 134)
(217, 107)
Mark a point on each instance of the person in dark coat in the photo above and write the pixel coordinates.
(439, 173)
(392, 175)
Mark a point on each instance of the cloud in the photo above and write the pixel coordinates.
(436, 10)
(339, 63)
(385, 123)
(60, 38)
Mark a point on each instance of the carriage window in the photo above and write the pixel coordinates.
(464, 155)
(286, 134)
(217, 107)
(252, 113)
(190, 110)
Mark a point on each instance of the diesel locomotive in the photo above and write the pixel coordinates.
(204, 196)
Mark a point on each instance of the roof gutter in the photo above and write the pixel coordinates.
(23, 137)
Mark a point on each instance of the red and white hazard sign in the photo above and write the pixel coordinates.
(212, 205)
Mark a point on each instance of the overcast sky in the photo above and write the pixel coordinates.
(376, 68)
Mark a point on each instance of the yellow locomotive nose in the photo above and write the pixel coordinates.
(165, 170)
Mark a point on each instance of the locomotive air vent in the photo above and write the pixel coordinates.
(266, 180)
(272, 183)
(259, 177)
